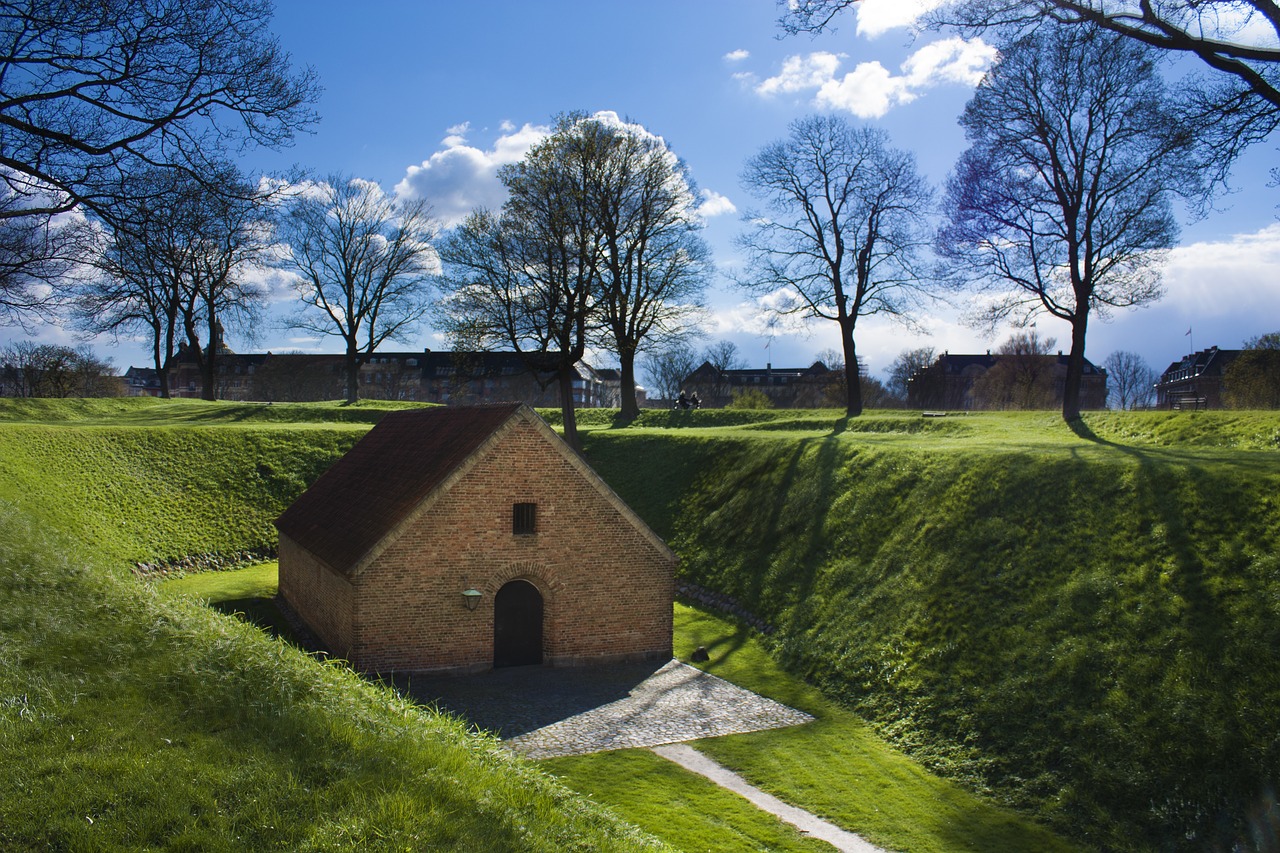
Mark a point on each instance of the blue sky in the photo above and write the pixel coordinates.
(428, 98)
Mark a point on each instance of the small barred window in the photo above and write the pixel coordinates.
(524, 519)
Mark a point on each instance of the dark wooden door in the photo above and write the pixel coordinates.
(517, 625)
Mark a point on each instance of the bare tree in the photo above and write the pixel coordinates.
(654, 263)
(139, 288)
(1130, 379)
(528, 278)
(668, 366)
(90, 92)
(175, 267)
(28, 369)
(907, 364)
(40, 254)
(1239, 40)
(1022, 376)
(1062, 203)
(722, 356)
(364, 263)
(843, 230)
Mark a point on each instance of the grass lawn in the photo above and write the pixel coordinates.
(132, 721)
(1080, 624)
(248, 593)
(835, 767)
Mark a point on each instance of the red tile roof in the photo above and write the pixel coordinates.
(388, 473)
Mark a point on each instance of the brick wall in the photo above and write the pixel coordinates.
(607, 589)
(320, 596)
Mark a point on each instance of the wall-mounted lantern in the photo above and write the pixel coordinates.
(471, 598)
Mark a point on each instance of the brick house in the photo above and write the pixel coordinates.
(953, 381)
(463, 538)
(1195, 380)
(454, 378)
(786, 387)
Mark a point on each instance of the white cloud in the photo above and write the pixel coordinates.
(736, 55)
(952, 60)
(461, 177)
(801, 72)
(870, 90)
(714, 204)
(1223, 278)
(457, 134)
(877, 17)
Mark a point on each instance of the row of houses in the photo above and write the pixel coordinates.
(425, 376)
(463, 378)
(956, 381)
(965, 381)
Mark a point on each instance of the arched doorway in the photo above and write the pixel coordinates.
(517, 625)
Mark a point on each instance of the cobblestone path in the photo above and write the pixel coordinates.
(543, 712)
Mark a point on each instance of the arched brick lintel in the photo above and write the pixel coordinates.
(544, 577)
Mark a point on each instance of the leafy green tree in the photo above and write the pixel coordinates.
(749, 398)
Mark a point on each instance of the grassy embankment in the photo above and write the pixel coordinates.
(886, 796)
(128, 721)
(931, 574)
(1086, 627)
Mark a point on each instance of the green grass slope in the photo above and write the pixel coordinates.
(151, 411)
(1089, 630)
(163, 492)
(129, 721)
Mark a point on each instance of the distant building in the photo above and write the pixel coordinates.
(416, 376)
(141, 382)
(1195, 381)
(956, 381)
(786, 387)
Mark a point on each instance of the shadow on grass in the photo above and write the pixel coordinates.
(262, 613)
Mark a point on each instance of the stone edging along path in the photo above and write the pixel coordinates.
(810, 824)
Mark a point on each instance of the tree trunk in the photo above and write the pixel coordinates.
(1075, 371)
(630, 407)
(565, 378)
(353, 376)
(162, 370)
(209, 391)
(853, 387)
